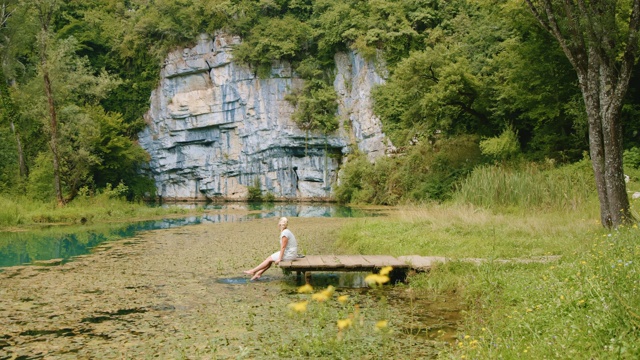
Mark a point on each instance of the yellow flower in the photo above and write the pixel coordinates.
(305, 289)
(343, 324)
(376, 279)
(343, 299)
(299, 307)
(382, 324)
(386, 270)
(329, 291)
(320, 297)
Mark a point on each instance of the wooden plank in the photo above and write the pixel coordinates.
(385, 260)
(354, 261)
(422, 262)
(331, 262)
(314, 260)
(297, 263)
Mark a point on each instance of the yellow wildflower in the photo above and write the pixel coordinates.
(320, 297)
(299, 307)
(382, 324)
(376, 279)
(386, 270)
(305, 289)
(343, 324)
(343, 299)
(329, 291)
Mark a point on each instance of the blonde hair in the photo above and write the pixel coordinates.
(284, 221)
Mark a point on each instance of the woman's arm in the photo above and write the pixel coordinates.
(285, 240)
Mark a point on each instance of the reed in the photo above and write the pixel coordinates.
(529, 186)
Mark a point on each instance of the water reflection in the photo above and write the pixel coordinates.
(266, 210)
(66, 242)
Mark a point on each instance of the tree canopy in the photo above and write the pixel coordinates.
(469, 69)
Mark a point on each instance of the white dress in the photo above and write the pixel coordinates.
(291, 251)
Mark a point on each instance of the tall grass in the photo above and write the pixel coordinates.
(529, 186)
(585, 305)
(458, 231)
(22, 211)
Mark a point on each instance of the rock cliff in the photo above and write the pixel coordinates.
(215, 129)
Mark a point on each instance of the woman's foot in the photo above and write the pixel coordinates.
(255, 277)
(249, 272)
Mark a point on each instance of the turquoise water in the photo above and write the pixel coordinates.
(18, 248)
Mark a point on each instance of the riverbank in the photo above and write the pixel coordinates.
(158, 294)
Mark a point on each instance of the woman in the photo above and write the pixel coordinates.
(288, 250)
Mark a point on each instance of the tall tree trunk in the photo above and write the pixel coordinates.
(53, 123)
(588, 34)
(45, 10)
(21, 162)
(10, 112)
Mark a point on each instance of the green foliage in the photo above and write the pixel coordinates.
(255, 191)
(425, 172)
(106, 205)
(269, 197)
(351, 183)
(274, 39)
(631, 157)
(120, 157)
(530, 185)
(315, 107)
(503, 147)
(40, 182)
(455, 68)
(9, 173)
(428, 93)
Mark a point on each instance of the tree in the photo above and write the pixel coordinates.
(8, 111)
(45, 10)
(600, 39)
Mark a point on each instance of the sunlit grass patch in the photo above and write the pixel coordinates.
(584, 306)
(459, 231)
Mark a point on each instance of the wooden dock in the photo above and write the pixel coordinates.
(361, 263)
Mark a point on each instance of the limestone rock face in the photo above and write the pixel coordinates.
(215, 128)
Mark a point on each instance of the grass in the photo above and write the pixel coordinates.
(586, 305)
(529, 185)
(459, 231)
(23, 212)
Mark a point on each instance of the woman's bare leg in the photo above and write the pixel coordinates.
(259, 273)
(263, 266)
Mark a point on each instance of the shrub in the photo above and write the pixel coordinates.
(631, 157)
(426, 172)
(503, 147)
(255, 192)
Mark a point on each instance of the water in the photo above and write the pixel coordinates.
(65, 242)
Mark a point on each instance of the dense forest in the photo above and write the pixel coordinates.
(470, 82)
